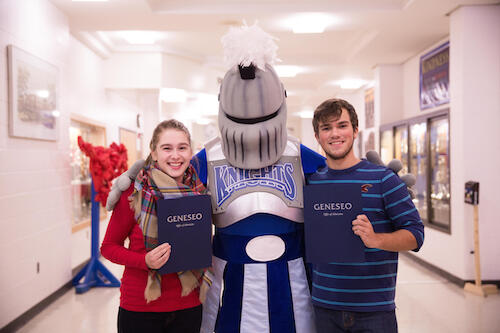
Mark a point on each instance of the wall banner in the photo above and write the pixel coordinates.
(435, 77)
(369, 108)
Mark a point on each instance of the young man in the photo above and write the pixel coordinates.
(359, 297)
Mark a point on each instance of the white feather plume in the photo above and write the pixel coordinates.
(249, 45)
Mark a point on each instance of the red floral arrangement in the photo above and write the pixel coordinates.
(105, 165)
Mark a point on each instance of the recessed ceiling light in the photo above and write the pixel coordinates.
(203, 121)
(173, 95)
(287, 70)
(351, 83)
(306, 114)
(42, 93)
(140, 37)
(310, 23)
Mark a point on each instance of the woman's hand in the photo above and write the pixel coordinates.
(158, 256)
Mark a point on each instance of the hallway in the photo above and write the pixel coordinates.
(422, 75)
(426, 302)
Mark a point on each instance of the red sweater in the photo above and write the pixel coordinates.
(122, 225)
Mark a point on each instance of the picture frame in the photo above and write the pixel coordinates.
(435, 77)
(33, 96)
(369, 108)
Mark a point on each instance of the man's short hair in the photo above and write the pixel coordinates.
(332, 108)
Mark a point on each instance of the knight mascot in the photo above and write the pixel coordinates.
(255, 174)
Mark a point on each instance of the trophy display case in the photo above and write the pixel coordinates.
(386, 145)
(422, 145)
(440, 171)
(401, 146)
(418, 165)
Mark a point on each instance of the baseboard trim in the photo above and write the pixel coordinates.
(450, 277)
(24, 318)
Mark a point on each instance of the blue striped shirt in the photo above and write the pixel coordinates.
(368, 286)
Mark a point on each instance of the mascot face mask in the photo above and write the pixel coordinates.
(252, 109)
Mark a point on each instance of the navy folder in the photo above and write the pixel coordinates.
(186, 223)
(329, 210)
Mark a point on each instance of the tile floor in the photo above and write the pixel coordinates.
(426, 303)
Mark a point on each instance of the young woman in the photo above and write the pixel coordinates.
(149, 302)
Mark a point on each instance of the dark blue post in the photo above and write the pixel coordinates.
(94, 274)
(94, 223)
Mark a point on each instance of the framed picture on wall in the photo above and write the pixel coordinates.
(369, 141)
(361, 152)
(369, 108)
(33, 96)
(435, 77)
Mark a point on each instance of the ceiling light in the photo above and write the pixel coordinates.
(310, 23)
(173, 95)
(89, 0)
(203, 121)
(287, 71)
(306, 114)
(139, 37)
(42, 93)
(351, 83)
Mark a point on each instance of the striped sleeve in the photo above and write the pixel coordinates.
(400, 208)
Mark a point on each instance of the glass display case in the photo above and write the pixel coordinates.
(422, 145)
(401, 146)
(80, 173)
(386, 146)
(418, 165)
(440, 171)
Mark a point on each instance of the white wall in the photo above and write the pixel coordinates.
(133, 71)
(475, 139)
(189, 74)
(34, 175)
(149, 101)
(475, 70)
(388, 96)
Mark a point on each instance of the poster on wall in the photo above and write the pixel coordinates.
(370, 142)
(360, 151)
(33, 96)
(369, 108)
(435, 77)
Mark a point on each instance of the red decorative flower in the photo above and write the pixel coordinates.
(105, 165)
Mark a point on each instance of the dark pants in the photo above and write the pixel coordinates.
(181, 321)
(333, 321)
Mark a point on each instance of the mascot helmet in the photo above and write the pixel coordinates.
(252, 106)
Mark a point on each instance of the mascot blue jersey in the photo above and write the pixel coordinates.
(260, 283)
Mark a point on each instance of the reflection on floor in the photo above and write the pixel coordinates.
(426, 303)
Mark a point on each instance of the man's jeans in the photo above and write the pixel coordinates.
(332, 321)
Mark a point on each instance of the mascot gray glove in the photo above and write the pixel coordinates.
(396, 166)
(122, 183)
